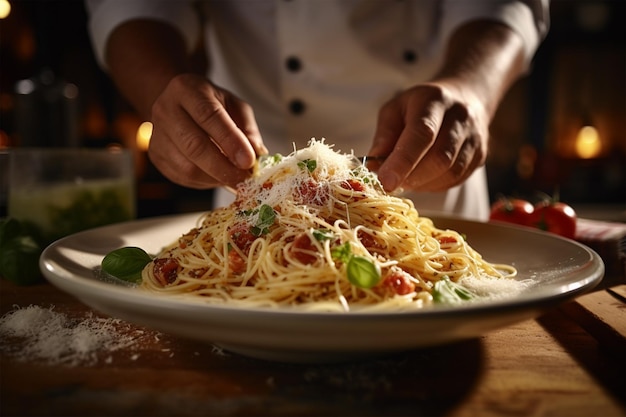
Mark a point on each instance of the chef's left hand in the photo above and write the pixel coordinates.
(435, 136)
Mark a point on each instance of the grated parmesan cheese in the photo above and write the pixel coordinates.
(335, 166)
(46, 335)
(494, 288)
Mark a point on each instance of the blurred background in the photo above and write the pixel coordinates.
(561, 129)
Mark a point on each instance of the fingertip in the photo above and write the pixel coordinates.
(256, 140)
(244, 159)
(373, 164)
(389, 180)
(260, 148)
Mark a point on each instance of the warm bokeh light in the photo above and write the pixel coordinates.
(588, 144)
(526, 161)
(126, 129)
(94, 121)
(5, 141)
(143, 135)
(5, 9)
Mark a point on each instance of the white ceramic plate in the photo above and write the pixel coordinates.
(562, 268)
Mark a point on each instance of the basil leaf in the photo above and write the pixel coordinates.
(342, 253)
(362, 272)
(20, 248)
(308, 164)
(267, 216)
(447, 291)
(9, 229)
(126, 263)
(322, 234)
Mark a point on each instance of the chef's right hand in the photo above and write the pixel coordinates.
(203, 136)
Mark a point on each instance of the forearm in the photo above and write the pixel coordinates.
(487, 56)
(142, 57)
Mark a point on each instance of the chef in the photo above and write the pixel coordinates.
(415, 81)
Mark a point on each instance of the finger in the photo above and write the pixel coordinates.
(416, 139)
(440, 158)
(193, 158)
(467, 160)
(168, 124)
(209, 113)
(178, 169)
(243, 116)
(389, 126)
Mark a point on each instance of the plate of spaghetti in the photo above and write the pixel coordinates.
(314, 261)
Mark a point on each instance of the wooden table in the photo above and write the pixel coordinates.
(551, 366)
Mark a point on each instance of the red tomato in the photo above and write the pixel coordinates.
(242, 237)
(399, 282)
(304, 250)
(352, 184)
(165, 270)
(311, 192)
(511, 210)
(235, 262)
(554, 217)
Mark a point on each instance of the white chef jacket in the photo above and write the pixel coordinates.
(324, 68)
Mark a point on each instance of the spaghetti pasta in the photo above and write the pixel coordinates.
(315, 229)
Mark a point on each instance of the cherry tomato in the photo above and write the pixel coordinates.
(511, 210)
(554, 217)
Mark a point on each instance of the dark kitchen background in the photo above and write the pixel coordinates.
(561, 129)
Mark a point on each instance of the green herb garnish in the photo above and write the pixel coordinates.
(365, 176)
(308, 164)
(447, 291)
(267, 216)
(269, 160)
(126, 263)
(361, 271)
(342, 253)
(322, 234)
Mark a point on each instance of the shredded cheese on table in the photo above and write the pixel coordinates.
(41, 334)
